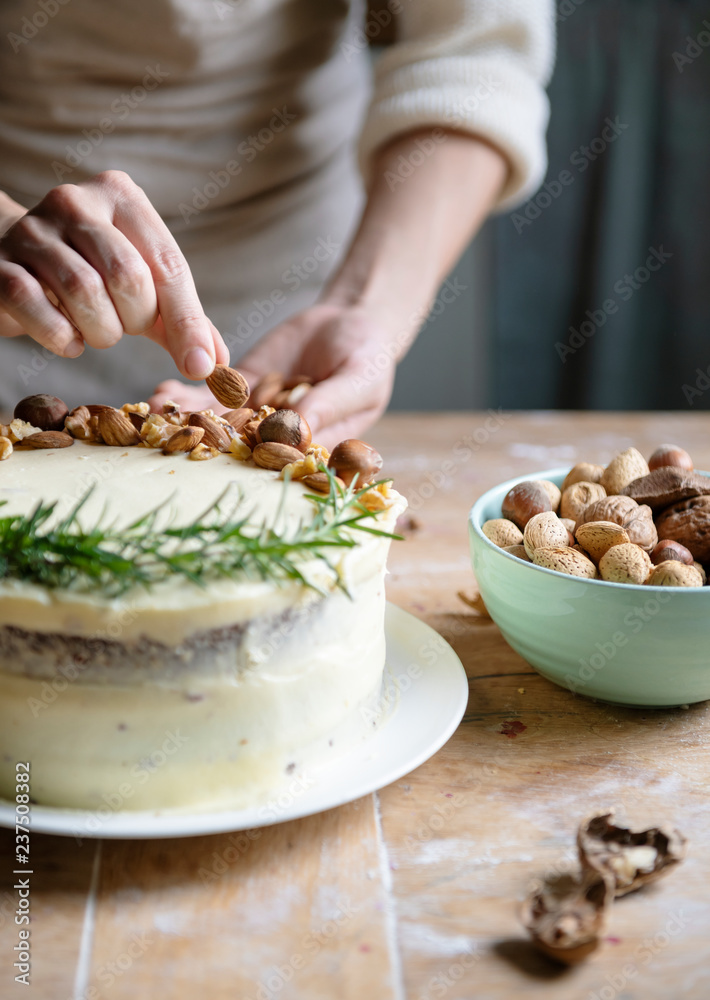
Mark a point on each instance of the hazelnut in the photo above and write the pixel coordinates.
(524, 501)
(668, 549)
(544, 531)
(598, 537)
(578, 496)
(583, 472)
(625, 563)
(355, 462)
(45, 412)
(670, 454)
(502, 532)
(623, 469)
(674, 574)
(565, 559)
(285, 427)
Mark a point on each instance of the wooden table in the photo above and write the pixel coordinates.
(412, 893)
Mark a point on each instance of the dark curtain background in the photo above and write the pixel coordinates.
(601, 294)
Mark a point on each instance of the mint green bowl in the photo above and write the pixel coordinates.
(631, 645)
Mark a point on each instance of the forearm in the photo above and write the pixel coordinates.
(421, 213)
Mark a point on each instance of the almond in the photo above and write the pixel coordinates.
(598, 537)
(239, 418)
(272, 455)
(115, 429)
(47, 439)
(228, 386)
(623, 469)
(502, 532)
(183, 440)
(544, 531)
(564, 559)
(320, 482)
(625, 563)
(215, 436)
(674, 574)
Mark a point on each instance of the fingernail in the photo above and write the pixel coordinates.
(74, 348)
(198, 363)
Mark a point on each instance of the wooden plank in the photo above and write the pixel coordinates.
(296, 910)
(59, 885)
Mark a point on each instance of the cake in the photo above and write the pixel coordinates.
(190, 674)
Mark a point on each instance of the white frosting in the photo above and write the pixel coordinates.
(295, 688)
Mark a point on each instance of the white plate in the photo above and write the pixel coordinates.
(433, 692)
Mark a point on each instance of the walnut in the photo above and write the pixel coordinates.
(635, 519)
(567, 917)
(630, 858)
(688, 522)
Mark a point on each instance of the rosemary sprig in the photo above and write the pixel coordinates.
(111, 560)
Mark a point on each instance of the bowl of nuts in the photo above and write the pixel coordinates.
(596, 575)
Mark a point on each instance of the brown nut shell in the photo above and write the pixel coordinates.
(583, 472)
(285, 427)
(666, 486)
(623, 469)
(670, 454)
(625, 563)
(668, 549)
(597, 537)
(502, 532)
(525, 500)
(43, 411)
(578, 497)
(567, 560)
(630, 858)
(567, 917)
(688, 522)
(355, 462)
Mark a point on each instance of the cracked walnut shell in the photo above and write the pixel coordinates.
(630, 858)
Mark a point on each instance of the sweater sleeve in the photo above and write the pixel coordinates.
(477, 66)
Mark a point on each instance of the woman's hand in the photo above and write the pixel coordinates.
(346, 352)
(94, 261)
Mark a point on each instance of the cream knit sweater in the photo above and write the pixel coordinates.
(243, 121)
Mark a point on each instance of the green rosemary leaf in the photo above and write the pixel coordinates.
(215, 545)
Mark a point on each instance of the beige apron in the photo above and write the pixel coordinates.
(238, 118)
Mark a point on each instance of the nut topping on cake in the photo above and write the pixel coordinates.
(228, 386)
(42, 411)
(215, 436)
(272, 455)
(285, 427)
(355, 461)
(48, 439)
(115, 429)
(184, 439)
